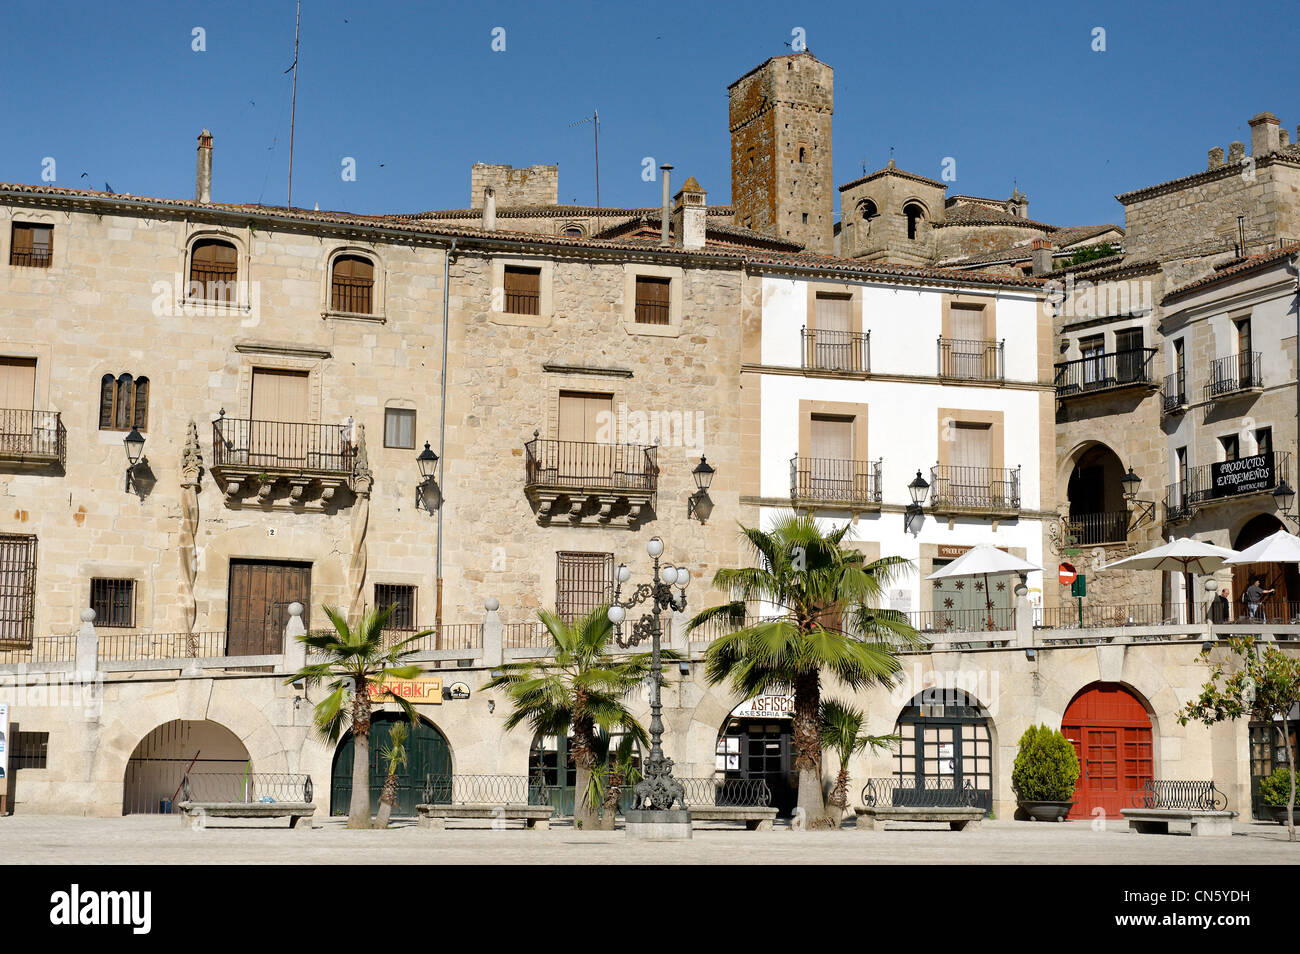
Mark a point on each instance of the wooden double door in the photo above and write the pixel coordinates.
(1111, 734)
(258, 611)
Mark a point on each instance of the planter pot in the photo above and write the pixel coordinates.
(1046, 811)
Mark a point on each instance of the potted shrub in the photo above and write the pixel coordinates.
(1274, 792)
(1045, 774)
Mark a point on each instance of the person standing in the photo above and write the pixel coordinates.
(1220, 610)
(1254, 596)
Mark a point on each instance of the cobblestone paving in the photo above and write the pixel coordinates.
(48, 839)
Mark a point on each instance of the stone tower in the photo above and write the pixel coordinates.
(781, 173)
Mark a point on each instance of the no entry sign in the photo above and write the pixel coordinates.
(1068, 574)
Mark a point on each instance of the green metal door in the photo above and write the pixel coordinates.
(545, 759)
(427, 754)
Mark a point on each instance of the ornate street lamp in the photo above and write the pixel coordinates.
(1130, 482)
(1284, 497)
(1139, 510)
(658, 791)
(917, 489)
(699, 505)
(428, 462)
(134, 444)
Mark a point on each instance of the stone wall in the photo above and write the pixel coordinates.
(535, 185)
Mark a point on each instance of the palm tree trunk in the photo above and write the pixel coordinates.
(840, 795)
(808, 750)
(585, 814)
(1290, 761)
(387, 799)
(359, 809)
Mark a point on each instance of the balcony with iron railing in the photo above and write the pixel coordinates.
(1090, 529)
(976, 490)
(1105, 372)
(1233, 375)
(1225, 480)
(1173, 393)
(971, 360)
(33, 438)
(600, 484)
(851, 484)
(31, 257)
(846, 351)
(311, 461)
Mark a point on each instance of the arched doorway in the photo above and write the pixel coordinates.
(427, 753)
(164, 756)
(756, 743)
(1282, 578)
(549, 752)
(1097, 511)
(946, 741)
(1111, 733)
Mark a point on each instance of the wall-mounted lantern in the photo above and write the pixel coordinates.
(1284, 497)
(426, 491)
(1140, 511)
(915, 511)
(699, 505)
(134, 444)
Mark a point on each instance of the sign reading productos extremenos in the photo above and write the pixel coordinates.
(1242, 476)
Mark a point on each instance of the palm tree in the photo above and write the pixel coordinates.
(842, 734)
(615, 773)
(394, 753)
(580, 692)
(824, 598)
(358, 661)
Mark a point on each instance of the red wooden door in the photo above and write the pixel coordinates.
(1111, 733)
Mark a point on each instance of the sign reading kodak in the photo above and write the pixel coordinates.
(417, 691)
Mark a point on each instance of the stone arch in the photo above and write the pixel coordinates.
(429, 751)
(1114, 730)
(1282, 579)
(948, 735)
(917, 214)
(243, 258)
(366, 251)
(1097, 510)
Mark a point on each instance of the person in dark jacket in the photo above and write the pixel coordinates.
(1221, 609)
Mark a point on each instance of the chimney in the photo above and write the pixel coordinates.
(1216, 159)
(1283, 137)
(1236, 153)
(489, 208)
(665, 210)
(203, 173)
(1041, 259)
(689, 212)
(1264, 138)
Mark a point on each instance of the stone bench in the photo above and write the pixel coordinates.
(755, 817)
(435, 817)
(192, 813)
(1155, 821)
(959, 819)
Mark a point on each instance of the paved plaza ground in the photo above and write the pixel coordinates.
(49, 839)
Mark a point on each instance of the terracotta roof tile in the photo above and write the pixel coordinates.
(1234, 269)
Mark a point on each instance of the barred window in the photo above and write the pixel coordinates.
(353, 285)
(31, 245)
(652, 300)
(401, 599)
(214, 269)
(17, 588)
(113, 602)
(123, 402)
(29, 750)
(583, 581)
(399, 427)
(523, 290)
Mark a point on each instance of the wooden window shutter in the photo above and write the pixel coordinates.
(122, 403)
(352, 285)
(140, 403)
(522, 290)
(214, 267)
(31, 245)
(652, 300)
(106, 391)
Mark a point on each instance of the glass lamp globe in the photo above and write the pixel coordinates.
(683, 577)
(624, 574)
(668, 573)
(655, 547)
(616, 614)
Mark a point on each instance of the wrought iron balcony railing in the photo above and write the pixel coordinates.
(976, 489)
(30, 257)
(825, 350)
(581, 465)
(1255, 474)
(1087, 529)
(1173, 393)
(32, 436)
(1234, 374)
(278, 446)
(1119, 369)
(823, 480)
(971, 360)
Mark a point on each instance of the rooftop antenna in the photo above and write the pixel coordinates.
(293, 100)
(594, 119)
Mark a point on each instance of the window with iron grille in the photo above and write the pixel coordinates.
(353, 285)
(214, 269)
(523, 290)
(652, 300)
(583, 581)
(113, 602)
(123, 402)
(17, 587)
(31, 245)
(401, 599)
(28, 750)
(399, 427)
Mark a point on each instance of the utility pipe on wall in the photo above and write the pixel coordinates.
(442, 429)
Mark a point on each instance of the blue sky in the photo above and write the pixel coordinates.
(415, 94)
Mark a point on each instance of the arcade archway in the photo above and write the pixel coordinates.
(946, 741)
(755, 743)
(1098, 513)
(164, 756)
(1283, 579)
(1111, 733)
(427, 753)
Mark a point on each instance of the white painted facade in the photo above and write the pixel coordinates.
(903, 418)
